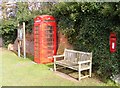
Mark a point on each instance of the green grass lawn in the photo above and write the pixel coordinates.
(24, 72)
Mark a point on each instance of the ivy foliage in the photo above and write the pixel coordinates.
(88, 27)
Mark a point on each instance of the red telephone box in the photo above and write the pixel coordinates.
(113, 42)
(45, 36)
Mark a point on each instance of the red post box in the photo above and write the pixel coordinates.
(113, 40)
(45, 36)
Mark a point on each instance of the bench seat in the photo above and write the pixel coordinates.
(74, 66)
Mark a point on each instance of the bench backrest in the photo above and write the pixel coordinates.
(75, 56)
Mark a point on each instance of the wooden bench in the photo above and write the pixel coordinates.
(76, 60)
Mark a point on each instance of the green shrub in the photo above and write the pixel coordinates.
(88, 27)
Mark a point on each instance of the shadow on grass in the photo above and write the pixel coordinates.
(64, 70)
(50, 65)
(69, 72)
(30, 57)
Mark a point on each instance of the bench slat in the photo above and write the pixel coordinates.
(58, 56)
(83, 62)
(73, 65)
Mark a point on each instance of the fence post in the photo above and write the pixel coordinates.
(24, 41)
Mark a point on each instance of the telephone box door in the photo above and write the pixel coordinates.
(36, 44)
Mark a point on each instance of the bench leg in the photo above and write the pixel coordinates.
(90, 72)
(79, 76)
(55, 64)
(79, 72)
(54, 67)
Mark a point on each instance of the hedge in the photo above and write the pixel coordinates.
(88, 27)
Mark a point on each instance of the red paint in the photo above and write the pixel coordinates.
(45, 36)
(113, 40)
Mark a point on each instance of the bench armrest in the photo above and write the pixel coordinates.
(58, 56)
(83, 62)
